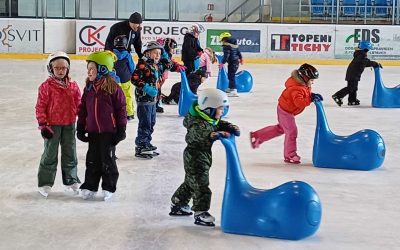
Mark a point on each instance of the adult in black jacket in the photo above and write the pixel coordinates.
(191, 49)
(353, 74)
(131, 29)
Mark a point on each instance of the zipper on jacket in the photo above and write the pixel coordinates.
(113, 120)
(95, 114)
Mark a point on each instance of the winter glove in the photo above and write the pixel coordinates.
(233, 129)
(46, 131)
(316, 97)
(219, 134)
(241, 61)
(199, 53)
(379, 65)
(81, 133)
(119, 135)
(220, 66)
(180, 68)
(150, 90)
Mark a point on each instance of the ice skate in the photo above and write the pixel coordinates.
(107, 195)
(177, 210)
(338, 100)
(232, 93)
(159, 109)
(72, 188)
(88, 194)
(293, 159)
(204, 219)
(44, 191)
(130, 118)
(355, 103)
(144, 152)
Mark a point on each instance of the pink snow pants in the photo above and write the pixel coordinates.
(286, 125)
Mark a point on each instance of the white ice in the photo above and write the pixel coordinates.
(360, 208)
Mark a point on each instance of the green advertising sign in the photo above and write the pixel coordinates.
(213, 39)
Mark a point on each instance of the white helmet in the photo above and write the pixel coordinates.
(54, 56)
(212, 98)
(196, 28)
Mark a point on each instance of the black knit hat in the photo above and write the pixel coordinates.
(135, 18)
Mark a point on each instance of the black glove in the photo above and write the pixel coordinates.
(119, 136)
(46, 131)
(376, 65)
(218, 135)
(316, 97)
(233, 129)
(81, 133)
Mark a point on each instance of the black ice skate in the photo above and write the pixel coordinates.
(338, 100)
(180, 210)
(204, 219)
(144, 152)
(355, 103)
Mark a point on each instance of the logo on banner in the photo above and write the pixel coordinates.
(364, 35)
(280, 42)
(9, 35)
(248, 40)
(301, 42)
(89, 35)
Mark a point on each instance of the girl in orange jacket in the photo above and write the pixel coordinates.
(293, 100)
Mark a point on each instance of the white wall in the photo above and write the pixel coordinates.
(60, 35)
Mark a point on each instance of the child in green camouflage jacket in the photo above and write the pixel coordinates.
(204, 126)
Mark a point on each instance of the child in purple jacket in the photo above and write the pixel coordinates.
(101, 122)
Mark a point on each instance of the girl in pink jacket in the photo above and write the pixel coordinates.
(206, 59)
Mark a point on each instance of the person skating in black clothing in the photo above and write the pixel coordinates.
(353, 74)
(131, 29)
(194, 80)
(191, 49)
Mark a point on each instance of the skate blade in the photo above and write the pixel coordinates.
(204, 224)
(144, 156)
(180, 214)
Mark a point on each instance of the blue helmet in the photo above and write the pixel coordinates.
(365, 45)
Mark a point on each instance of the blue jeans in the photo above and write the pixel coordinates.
(146, 114)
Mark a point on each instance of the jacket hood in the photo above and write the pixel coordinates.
(231, 42)
(297, 78)
(121, 54)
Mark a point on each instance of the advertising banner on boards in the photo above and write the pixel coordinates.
(248, 40)
(21, 36)
(91, 35)
(301, 41)
(385, 41)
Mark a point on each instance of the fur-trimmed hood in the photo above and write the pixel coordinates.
(296, 76)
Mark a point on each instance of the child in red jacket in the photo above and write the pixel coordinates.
(293, 100)
(56, 109)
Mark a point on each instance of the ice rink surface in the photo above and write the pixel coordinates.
(360, 210)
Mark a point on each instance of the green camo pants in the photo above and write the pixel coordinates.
(64, 136)
(197, 166)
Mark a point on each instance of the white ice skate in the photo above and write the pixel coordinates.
(45, 190)
(87, 194)
(232, 93)
(107, 195)
(74, 188)
(203, 218)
